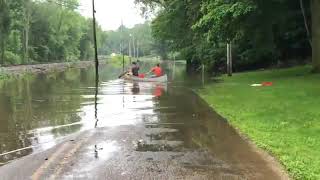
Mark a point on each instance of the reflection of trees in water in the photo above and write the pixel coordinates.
(5, 113)
(201, 126)
(38, 101)
(66, 130)
(11, 135)
(55, 100)
(135, 88)
(192, 116)
(175, 73)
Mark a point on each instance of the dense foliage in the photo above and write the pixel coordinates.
(45, 31)
(263, 33)
(136, 41)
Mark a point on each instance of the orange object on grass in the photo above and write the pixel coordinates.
(267, 83)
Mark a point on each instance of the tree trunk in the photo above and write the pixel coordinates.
(26, 30)
(189, 67)
(315, 10)
(305, 19)
(27, 40)
(26, 43)
(2, 49)
(229, 59)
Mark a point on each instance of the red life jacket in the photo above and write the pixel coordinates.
(157, 71)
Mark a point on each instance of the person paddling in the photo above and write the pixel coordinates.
(132, 71)
(135, 69)
(157, 71)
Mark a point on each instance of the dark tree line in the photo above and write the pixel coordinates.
(33, 31)
(263, 33)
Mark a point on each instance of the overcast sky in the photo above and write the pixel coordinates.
(110, 13)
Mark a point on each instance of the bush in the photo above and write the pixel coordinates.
(117, 60)
(11, 58)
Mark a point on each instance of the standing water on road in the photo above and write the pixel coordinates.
(128, 131)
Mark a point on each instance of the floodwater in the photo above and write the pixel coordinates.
(141, 130)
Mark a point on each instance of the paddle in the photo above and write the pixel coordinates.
(123, 74)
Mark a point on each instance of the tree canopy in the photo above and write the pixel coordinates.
(45, 31)
(264, 33)
(138, 38)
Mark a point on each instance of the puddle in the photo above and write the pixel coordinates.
(158, 145)
(164, 136)
(103, 151)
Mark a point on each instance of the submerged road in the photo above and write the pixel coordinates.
(147, 131)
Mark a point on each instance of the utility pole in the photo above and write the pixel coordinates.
(95, 42)
(96, 62)
(229, 59)
(130, 52)
(203, 74)
(122, 43)
(134, 48)
(174, 67)
(137, 49)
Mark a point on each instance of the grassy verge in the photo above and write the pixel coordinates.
(283, 119)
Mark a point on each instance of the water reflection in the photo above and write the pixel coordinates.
(135, 88)
(168, 122)
(96, 102)
(158, 91)
(122, 103)
(103, 151)
(36, 112)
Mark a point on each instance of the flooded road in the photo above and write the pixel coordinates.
(59, 128)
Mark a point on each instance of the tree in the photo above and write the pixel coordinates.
(264, 33)
(315, 9)
(44, 31)
(4, 27)
(139, 37)
(173, 25)
(26, 28)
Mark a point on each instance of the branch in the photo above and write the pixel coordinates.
(305, 22)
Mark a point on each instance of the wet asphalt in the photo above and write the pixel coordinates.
(127, 130)
(147, 131)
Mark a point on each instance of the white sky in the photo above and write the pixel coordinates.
(110, 12)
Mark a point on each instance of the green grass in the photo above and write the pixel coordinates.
(283, 119)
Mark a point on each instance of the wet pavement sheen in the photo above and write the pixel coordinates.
(128, 131)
